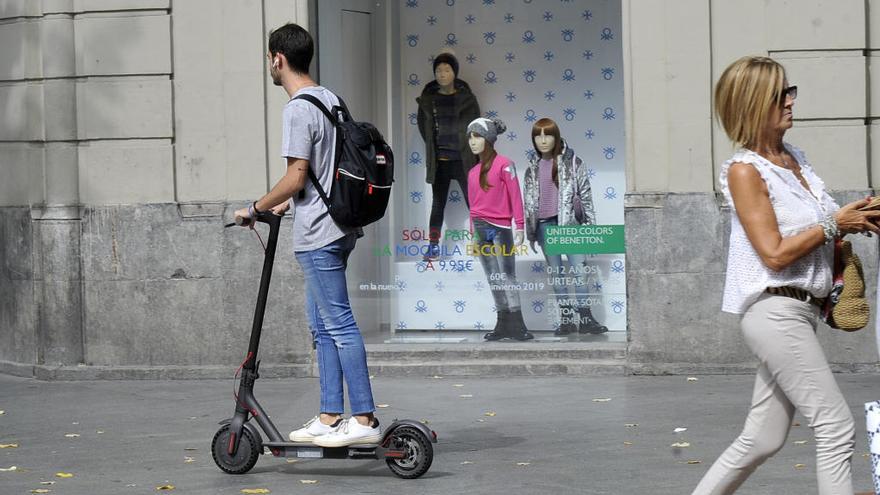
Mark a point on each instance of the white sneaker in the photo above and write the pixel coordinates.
(313, 429)
(350, 433)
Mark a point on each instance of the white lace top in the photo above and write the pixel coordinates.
(796, 209)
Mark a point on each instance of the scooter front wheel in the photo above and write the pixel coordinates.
(245, 457)
(419, 453)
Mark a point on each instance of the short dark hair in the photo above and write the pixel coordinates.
(296, 44)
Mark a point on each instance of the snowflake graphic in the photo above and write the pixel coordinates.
(459, 306)
(610, 193)
(509, 57)
(401, 284)
(491, 114)
(511, 96)
(607, 73)
(431, 20)
(412, 40)
(416, 196)
(537, 267)
(440, 325)
(609, 152)
(597, 286)
(548, 55)
(478, 286)
(538, 306)
(530, 153)
(588, 94)
(511, 136)
(471, 58)
(488, 2)
(508, 18)
(401, 325)
(439, 286)
(589, 134)
(617, 306)
(478, 325)
(588, 54)
(548, 16)
(470, 19)
(587, 15)
(549, 95)
(569, 113)
(591, 173)
(529, 75)
(412, 3)
(567, 35)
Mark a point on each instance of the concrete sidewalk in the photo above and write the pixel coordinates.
(506, 435)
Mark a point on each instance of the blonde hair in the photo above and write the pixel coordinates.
(744, 95)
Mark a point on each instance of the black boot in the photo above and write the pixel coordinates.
(516, 327)
(566, 321)
(588, 324)
(497, 333)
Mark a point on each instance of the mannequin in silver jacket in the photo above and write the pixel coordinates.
(573, 206)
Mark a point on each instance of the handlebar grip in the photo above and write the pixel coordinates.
(242, 221)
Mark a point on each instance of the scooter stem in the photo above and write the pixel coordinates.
(274, 222)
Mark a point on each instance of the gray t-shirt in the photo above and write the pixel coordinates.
(309, 135)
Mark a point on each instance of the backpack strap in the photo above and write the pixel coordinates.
(335, 121)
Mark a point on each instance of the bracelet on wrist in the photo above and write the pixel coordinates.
(829, 228)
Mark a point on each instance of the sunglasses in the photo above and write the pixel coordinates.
(787, 91)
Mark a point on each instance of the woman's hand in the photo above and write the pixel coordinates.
(851, 221)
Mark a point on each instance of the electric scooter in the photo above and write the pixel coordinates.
(405, 445)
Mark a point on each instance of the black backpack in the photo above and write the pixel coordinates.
(363, 170)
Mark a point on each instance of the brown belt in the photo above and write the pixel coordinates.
(799, 294)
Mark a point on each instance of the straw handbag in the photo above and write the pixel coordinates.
(846, 307)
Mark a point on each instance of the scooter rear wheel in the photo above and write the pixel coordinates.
(419, 453)
(245, 457)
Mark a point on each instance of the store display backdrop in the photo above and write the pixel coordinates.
(523, 60)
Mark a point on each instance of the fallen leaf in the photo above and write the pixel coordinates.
(2, 412)
(459, 385)
(381, 406)
(602, 399)
(47, 482)
(466, 462)
(40, 490)
(10, 468)
(631, 425)
(64, 475)
(190, 448)
(193, 417)
(165, 487)
(372, 376)
(694, 461)
(437, 377)
(692, 379)
(795, 424)
(71, 435)
(309, 482)
(291, 461)
(99, 432)
(466, 396)
(680, 445)
(75, 423)
(800, 442)
(8, 445)
(491, 414)
(481, 421)
(679, 430)
(424, 421)
(866, 455)
(255, 490)
(131, 485)
(627, 443)
(188, 459)
(523, 463)
(800, 466)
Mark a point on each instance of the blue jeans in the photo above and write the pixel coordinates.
(570, 273)
(338, 340)
(499, 264)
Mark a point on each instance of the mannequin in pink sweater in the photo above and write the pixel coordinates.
(496, 208)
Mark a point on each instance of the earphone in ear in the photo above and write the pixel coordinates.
(275, 64)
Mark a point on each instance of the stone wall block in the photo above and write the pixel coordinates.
(641, 240)
(831, 83)
(126, 172)
(139, 44)
(689, 235)
(119, 5)
(134, 107)
(841, 167)
(819, 24)
(59, 53)
(59, 95)
(21, 112)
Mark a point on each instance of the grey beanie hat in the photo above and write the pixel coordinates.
(488, 128)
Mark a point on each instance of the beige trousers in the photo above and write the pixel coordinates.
(793, 374)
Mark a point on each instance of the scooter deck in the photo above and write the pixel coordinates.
(312, 451)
